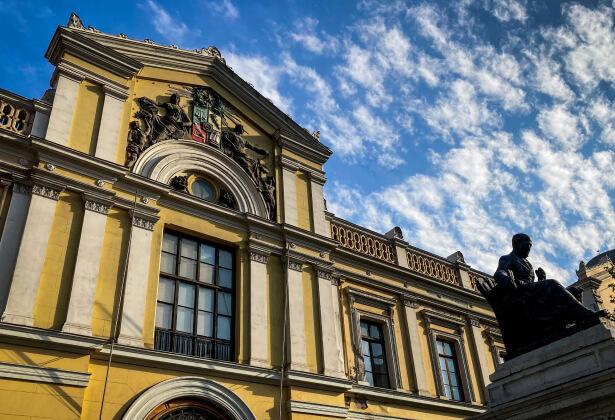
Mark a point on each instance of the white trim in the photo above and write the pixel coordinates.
(316, 409)
(164, 160)
(188, 386)
(43, 374)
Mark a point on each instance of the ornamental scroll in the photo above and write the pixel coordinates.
(214, 123)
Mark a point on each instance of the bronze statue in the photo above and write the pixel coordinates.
(532, 313)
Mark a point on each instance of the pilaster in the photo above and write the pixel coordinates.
(79, 316)
(113, 106)
(64, 101)
(289, 188)
(259, 307)
(296, 350)
(479, 348)
(330, 326)
(135, 289)
(11, 237)
(321, 224)
(31, 255)
(416, 352)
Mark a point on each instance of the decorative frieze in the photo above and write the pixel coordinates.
(411, 303)
(431, 267)
(143, 223)
(295, 265)
(324, 274)
(45, 191)
(97, 207)
(475, 322)
(259, 257)
(363, 242)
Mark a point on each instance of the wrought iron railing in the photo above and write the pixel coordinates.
(16, 113)
(363, 241)
(430, 266)
(175, 342)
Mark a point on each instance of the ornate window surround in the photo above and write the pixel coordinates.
(451, 321)
(495, 344)
(388, 324)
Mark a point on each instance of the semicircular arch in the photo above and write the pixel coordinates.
(188, 387)
(166, 159)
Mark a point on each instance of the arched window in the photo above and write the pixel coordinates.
(204, 190)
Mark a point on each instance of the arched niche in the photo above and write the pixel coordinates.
(166, 159)
(189, 387)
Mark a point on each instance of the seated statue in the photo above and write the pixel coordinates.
(532, 313)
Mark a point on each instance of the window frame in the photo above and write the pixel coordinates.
(387, 324)
(456, 324)
(216, 288)
(372, 340)
(455, 358)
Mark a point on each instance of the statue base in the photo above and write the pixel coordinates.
(572, 378)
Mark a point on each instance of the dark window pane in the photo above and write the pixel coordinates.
(365, 348)
(369, 378)
(185, 295)
(223, 326)
(188, 249)
(164, 315)
(456, 394)
(377, 350)
(440, 351)
(451, 365)
(225, 278)
(364, 329)
(225, 259)
(374, 331)
(206, 273)
(225, 303)
(208, 254)
(167, 263)
(187, 268)
(454, 380)
(379, 365)
(448, 350)
(206, 299)
(442, 364)
(381, 381)
(205, 324)
(169, 243)
(166, 290)
(185, 317)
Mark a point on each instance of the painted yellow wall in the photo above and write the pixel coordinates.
(57, 275)
(275, 288)
(312, 321)
(304, 218)
(86, 119)
(111, 270)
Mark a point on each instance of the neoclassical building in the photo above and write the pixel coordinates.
(166, 251)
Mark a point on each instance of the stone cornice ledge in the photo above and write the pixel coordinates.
(37, 337)
(316, 409)
(405, 398)
(313, 380)
(34, 373)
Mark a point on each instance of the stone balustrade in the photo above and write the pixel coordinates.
(16, 113)
(432, 266)
(363, 241)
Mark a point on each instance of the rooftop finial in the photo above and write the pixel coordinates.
(316, 134)
(74, 21)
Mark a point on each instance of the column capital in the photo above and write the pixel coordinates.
(97, 206)
(142, 223)
(294, 264)
(259, 256)
(46, 191)
(411, 303)
(475, 322)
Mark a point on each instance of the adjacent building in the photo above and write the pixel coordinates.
(166, 251)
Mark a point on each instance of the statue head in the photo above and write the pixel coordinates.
(174, 99)
(522, 244)
(238, 129)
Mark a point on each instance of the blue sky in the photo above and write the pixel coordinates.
(462, 122)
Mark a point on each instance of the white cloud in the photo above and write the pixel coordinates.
(262, 74)
(559, 124)
(224, 8)
(507, 10)
(172, 29)
(305, 33)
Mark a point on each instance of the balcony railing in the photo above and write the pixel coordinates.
(427, 265)
(474, 276)
(176, 342)
(363, 242)
(16, 113)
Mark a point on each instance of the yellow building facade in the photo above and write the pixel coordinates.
(166, 250)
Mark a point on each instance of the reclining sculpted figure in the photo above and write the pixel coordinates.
(532, 313)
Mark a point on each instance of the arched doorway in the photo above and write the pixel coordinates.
(188, 409)
(188, 398)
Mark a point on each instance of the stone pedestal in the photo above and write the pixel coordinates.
(573, 378)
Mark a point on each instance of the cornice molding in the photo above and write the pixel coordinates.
(71, 41)
(48, 375)
(76, 72)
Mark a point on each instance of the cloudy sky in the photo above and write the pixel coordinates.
(462, 122)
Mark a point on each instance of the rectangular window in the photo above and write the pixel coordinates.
(449, 369)
(194, 310)
(374, 357)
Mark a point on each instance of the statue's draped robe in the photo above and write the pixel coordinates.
(533, 313)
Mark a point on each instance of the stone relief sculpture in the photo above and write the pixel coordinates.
(211, 116)
(180, 183)
(532, 313)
